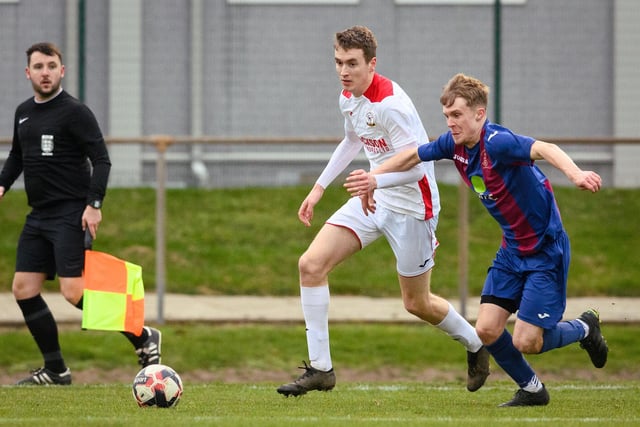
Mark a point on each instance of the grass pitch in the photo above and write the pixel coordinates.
(388, 375)
(247, 241)
(354, 404)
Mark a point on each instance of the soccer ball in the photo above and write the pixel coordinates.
(157, 385)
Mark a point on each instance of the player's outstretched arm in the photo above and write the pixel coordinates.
(360, 182)
(403, 161)
(585, 180)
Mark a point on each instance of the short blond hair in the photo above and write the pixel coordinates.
(468, 88)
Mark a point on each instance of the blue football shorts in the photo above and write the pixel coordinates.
(537, 284)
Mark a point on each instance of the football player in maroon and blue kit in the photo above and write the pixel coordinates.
(529, 272)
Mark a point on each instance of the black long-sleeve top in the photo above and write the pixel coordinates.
(57, 144)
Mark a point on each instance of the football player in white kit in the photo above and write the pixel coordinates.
(379, 116)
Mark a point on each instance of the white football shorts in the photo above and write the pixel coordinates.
(412, 240)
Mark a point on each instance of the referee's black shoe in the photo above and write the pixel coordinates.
(149, 353)
(43, 376)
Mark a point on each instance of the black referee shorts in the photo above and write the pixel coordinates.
(52, 246)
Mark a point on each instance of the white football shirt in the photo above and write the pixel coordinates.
(385, 122)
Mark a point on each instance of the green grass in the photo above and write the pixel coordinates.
(388, 375)
(365, 404)
(396, 351)
(247, 241)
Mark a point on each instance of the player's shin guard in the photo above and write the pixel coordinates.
(563, 334)
(459, 329)
(511, 360)
(315, 308)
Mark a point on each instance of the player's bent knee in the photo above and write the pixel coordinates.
(423, 310)
(311, 269)
(413, 309)
(527, 346)
(414, 303)
(487, 336)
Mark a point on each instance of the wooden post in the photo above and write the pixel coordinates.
(161, 143)
(463, 246)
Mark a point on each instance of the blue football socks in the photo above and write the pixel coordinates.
(511, 360)
(564, 333)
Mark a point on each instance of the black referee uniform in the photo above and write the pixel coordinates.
(60, 149)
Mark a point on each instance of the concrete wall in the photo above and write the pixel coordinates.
(220, 68)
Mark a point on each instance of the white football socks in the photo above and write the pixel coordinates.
(315, 308)
(459, 329)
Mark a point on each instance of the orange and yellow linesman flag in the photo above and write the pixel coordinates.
(113, 297)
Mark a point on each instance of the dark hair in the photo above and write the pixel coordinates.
(357, 37)
(45, 48)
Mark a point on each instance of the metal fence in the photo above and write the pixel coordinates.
(164, 161)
